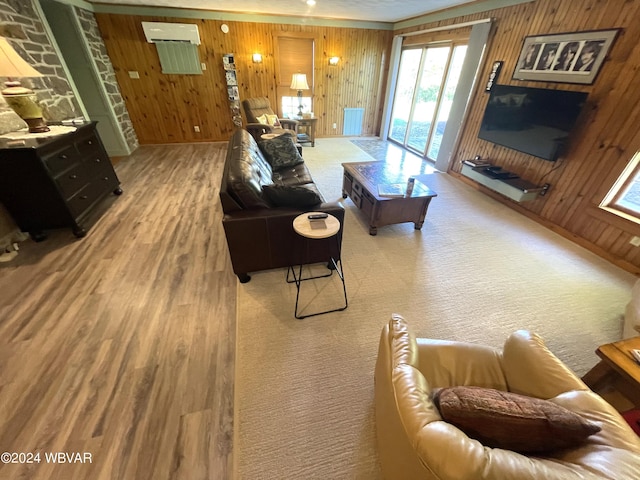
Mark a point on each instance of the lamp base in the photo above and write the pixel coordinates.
(37, 125)
(299, 103)
(23, 101)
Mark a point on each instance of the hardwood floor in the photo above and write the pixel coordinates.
(122, 344)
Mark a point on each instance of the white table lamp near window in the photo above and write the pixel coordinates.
(299, 83)
(21, 99)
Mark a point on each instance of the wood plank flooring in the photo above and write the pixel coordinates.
(122, 344)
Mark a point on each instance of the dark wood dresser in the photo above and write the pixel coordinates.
(56, 182)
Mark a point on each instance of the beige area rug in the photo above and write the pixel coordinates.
(476, 272)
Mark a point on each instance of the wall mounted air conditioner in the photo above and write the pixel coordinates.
(160, 31)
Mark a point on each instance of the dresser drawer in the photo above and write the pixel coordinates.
(88, 146)
(62, 160)
(86, 197)
(73, 180)
(357, 200)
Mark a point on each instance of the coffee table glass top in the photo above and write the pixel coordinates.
(389, 173)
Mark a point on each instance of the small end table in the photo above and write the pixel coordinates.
(306, 130)
(617, 362)
(313, 230)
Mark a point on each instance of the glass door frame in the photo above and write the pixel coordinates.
(451, 44)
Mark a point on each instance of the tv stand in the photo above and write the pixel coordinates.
(502, 181)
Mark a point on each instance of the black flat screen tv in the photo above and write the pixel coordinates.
(536, 121)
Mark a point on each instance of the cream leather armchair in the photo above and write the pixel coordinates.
(415, 443)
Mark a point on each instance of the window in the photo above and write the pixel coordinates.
(294, 55)
(624, 198)
(290, 106)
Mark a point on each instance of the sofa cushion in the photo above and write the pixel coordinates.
(267, 119)
(510, 421)
(273, 120)
(295, 175)
(280, 151)
(293, 195)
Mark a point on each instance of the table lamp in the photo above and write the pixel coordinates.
(21, 99)
(299, 83)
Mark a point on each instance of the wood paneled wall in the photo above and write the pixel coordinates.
(603, 142)
(164, 108)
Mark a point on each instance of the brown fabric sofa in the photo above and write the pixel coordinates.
(259, 235)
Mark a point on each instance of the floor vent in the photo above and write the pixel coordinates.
(353, 121)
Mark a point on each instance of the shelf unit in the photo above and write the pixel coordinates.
(231, 78)
(502, 181)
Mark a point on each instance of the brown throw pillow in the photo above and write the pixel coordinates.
(511, 421)
(299, 196)
(280, 151)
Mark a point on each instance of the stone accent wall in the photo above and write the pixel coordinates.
(22, 26)
(107, 74)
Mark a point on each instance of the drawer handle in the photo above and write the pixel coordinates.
(63, 156)
(98, 160)
(106, 178)
(89, 142)
(83, 197)
(73, 177)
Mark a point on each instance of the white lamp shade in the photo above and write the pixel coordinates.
(299, 82)
(12, 65)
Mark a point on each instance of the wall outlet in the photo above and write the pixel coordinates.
(545, 189)
(203, 66)
(635, 241)
(335, 125)
(196, 128)
(134, 74)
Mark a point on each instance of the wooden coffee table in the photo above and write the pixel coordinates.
(360, 182)
(617, 364)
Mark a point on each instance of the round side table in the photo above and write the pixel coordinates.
(314, 230)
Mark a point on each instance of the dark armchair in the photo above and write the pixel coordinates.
(256, 107)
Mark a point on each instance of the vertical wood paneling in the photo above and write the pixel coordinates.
(164, 108)
(605, 138)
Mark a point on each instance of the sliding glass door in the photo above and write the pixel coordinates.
(427, 79)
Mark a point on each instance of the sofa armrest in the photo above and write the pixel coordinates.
(288, 123)
(333, 208)
(531, 369)
(258, 129)
(262, 239)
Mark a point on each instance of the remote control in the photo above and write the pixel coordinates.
(317, 216)
(636, 355)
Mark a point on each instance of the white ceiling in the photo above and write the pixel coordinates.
(363, 10)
